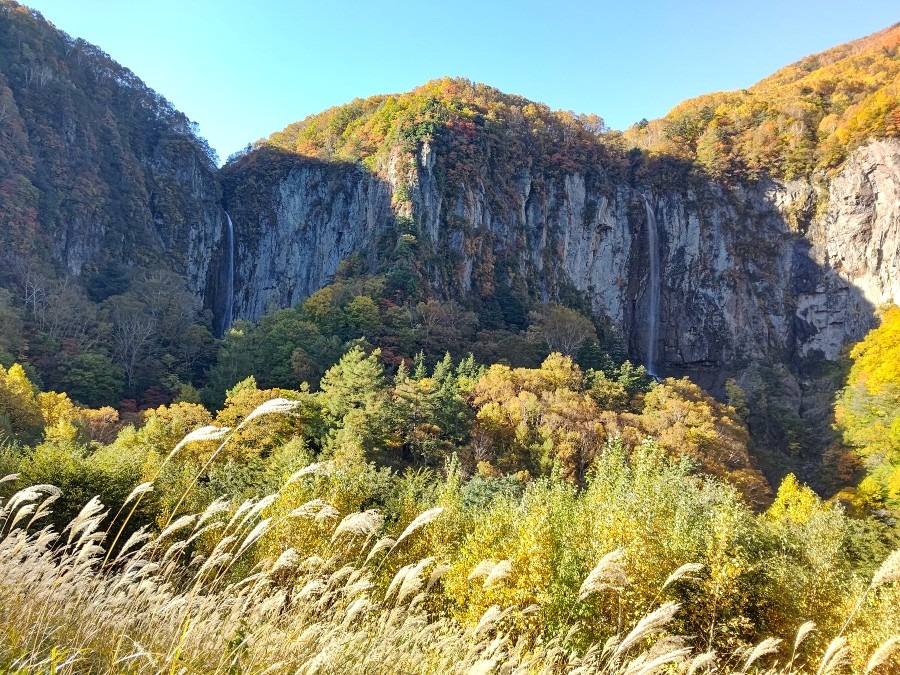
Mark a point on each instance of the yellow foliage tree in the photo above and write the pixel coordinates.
(685, 420)
(20, 414)
(868, 410)
(537, 418)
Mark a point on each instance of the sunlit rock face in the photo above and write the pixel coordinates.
(781, 271)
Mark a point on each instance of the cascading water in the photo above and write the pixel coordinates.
(653, 288)
(228, 290)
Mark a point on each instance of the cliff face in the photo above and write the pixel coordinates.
(857, 236)
(96, 169)
(777, 271)
(764, 282)
(311, 219)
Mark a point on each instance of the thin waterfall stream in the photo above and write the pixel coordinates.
(228, 291)
(653, 288)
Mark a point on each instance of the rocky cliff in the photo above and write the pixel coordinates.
(97, 171)
(782, 271)
(764, 281)
(293, 233)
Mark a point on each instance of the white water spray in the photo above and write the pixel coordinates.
(653, 288)
(228, 291)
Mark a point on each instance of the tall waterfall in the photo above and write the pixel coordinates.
(653, 288)
(228, 290)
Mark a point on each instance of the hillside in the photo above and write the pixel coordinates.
(453, 217)
(96, 167)
(458, 192)
(110, 222)
(449, 382)
(805, 118)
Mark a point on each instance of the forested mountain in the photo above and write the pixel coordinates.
(807, 117)
(523, 393)
(110, 218)
(462, 193)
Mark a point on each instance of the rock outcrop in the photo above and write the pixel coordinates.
(314, 217)
(776, 271)
(96, 169)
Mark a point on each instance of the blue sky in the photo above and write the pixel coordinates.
(245, 69)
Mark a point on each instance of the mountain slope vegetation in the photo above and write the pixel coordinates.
(392, 474)
(807, 117)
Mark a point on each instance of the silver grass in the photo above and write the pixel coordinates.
(356, 608)
(657, 663)
(889, 570)
(881, 655)
(307, 510)
(241, 510)
(258, 507)
(174, 549)
(216, 506)
(311, 564)
(397, 580)
(25, 495)
(482, 569)
(382, 544)
(308, 470)
(207, 433)
(86, 520)
(803, 632)
(339, 575)
(500, 572)
(436, 574)
(651, 623)
(328, 625)
(139, 490)
(198, 532)
(420, 521)
(764, 648)
(483, 667)
(275, 406)
(257, 532)
(361, 524)
(665, 645)
(356, 587)
(488, 620)
(43, 509)
(608, 573)
(327, 512)
(178, 524)
(218, 556)
(286, 561)
(686, 571)
(22, 513)
(9, 478)
(412, 580)
(704, 660)
(835, 656)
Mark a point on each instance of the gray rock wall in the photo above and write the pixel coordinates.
(318, 217)
(774, 271)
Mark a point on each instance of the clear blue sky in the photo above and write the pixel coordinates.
(245, 69)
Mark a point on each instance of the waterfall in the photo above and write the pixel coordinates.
(653, 288)
(228, 290)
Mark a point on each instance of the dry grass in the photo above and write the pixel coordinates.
(68, 604)
(154, 607)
